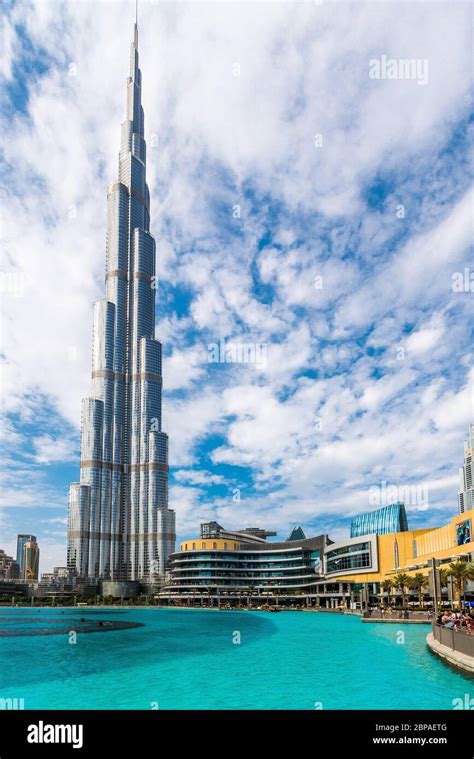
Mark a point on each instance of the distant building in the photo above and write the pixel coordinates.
(9, 568)
(57, 577)
(466, 485)
(296, 534)
(30, 561)
(21, 541)
(258, 532)
(383, 521)
(249, 534)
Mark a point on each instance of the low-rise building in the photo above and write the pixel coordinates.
(315, 570)
(231, 567)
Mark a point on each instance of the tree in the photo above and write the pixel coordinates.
(387, 586)
(418, 582)
(459, 571)
(249, 595)
(443, 583)
(401, 582)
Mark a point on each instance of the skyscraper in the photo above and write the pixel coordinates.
(466, 485)
(21, 541)
(120, 526)
(30, 565)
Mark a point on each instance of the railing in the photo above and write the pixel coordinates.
(419, 616)
(456, 640)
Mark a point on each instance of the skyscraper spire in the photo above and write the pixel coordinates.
(120, 526)
(135, 36)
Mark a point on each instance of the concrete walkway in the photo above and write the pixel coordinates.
(463, 661)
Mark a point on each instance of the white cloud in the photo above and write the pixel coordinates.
(49, 449)
(216, 140)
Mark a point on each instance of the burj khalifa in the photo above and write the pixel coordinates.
(120, 526)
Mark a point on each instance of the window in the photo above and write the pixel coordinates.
(225, 546)
(203, 545)
(194, 546)
(214, 546)
(395, 555)
(356, 556)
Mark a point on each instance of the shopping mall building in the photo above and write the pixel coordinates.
(227, 567)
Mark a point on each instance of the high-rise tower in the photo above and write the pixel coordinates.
(21, 541)
(120, 527)
(466, 483)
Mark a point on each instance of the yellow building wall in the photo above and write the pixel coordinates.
(436, 540)
(209, 544)
(439, 543)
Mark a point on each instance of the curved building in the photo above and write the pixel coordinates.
(232, 567)
(120, 526)
(392, 518)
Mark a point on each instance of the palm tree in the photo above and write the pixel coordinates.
(387, 586)
(249, 596)
(418, 582)
(459, 571)
(443, 582)
(401, 581)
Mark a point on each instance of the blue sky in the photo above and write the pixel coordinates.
(354, 212)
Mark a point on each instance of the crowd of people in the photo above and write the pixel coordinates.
(456, 620)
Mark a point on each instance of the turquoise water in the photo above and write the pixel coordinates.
(186, 659)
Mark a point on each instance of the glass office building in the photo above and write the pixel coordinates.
(21, 541)
(31, 554)
(120, 526)
(383, 521)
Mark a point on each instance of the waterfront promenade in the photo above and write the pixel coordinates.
(454, 646)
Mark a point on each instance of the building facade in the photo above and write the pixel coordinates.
(312, 571)
(9, 568)
(253, 534)
(30, 564)
(466, 485)
(391, 518)
(120, 526)
(232, 567)
(367, 561)
(21, 541)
